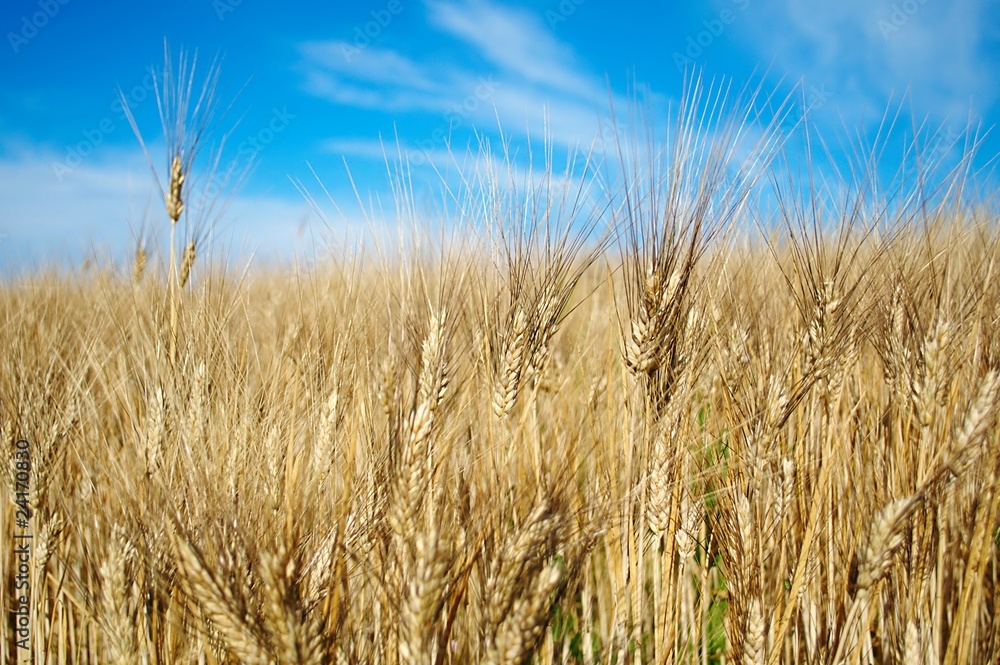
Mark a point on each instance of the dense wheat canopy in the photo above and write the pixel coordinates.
(668, 415)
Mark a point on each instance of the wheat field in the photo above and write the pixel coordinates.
(650, 419)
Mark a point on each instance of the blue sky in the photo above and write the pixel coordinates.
(321, 83)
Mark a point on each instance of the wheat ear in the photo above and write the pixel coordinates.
(509, 376)
(117, 606)
(218, 605)
(187, 262)
(175, 191)
(523, 626)
(139, 264)
(297, 637)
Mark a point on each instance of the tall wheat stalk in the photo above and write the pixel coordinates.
(188, 114)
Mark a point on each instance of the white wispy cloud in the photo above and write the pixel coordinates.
(516, 41)
(373, 65)
(867, 55)
(531, 82)
(372, 78)
(374, 149)
(382, 79)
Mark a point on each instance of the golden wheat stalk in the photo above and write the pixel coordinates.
(521, 629)
(139, 264)
(118, 605)
(297, 637)
(187, 262)
(175, 189)
(218, 604)
(509, 375)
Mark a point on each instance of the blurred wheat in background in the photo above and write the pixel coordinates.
(685, 409)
